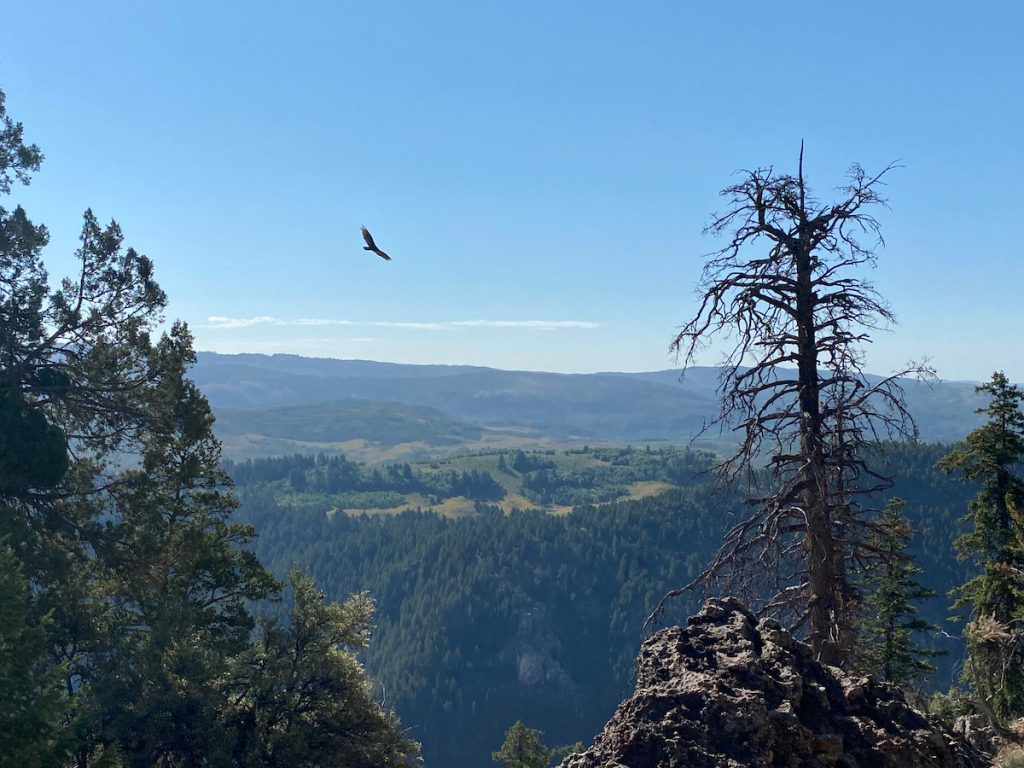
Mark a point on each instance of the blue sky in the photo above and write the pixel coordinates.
(540, 171)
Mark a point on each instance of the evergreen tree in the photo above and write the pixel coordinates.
(180, 579)
(114, 508)
(891, 620)
(522, 748)
(31, 702)
(990, 456)
(301, 699)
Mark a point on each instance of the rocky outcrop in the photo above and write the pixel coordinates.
(729, 691)
(536, 647)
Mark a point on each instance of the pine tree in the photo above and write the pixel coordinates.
(989, 456)
(887, 635)
(522, 748)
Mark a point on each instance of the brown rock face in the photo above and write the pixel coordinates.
(728, 691)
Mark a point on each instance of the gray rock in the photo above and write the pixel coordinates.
(728, 691)
(976, 731)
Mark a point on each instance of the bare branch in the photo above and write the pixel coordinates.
(785, 291)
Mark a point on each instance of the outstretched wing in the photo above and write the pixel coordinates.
(372, 246)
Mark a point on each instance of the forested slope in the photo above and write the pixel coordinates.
(494, 617)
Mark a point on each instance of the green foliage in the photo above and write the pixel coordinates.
(18, 160)
(560, 753)
(180, 578)
(304, 700)
(890, 620)
(33, 705)
(989, 456)
(461, 601)
(522, 749)
(951, 704)
(368, 500)
(547, 479)
(33, 453)
(125, 587)
(343, 484)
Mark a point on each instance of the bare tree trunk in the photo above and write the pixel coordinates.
(797, 302)
(819, 544)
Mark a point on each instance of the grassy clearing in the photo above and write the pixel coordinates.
(554, 481)
(645, 488)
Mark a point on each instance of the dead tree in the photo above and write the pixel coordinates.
(785, 294)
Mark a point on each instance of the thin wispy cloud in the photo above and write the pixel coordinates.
(412, 326)
(540, 325)
(314, 321)
(226, 323)
(216, 321)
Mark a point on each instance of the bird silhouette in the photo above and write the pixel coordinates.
(372, 246)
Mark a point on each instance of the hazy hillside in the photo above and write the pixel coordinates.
(470, 408)
(364, 419)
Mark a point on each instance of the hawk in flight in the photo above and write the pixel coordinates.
(372, 246)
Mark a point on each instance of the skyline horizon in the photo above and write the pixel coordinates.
(530, 169)
(200, 350)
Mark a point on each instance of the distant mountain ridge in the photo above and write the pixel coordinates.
(609, 406)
